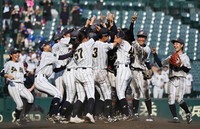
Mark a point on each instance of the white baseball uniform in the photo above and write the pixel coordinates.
(44, 71)
(158, 85)
(177, 79)
(139, 84)
(60, 48)
(189, 80)
(141, 54)
(166, 80)
(83, 72)
(100, 56)
(16, 86)
(123, 78)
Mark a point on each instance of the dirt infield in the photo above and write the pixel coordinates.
(159, 123)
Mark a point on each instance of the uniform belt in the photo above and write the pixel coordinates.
(81, 68)
(42, 75)
(18, 82)
(126, 65)
(68, 69)
(136, 69)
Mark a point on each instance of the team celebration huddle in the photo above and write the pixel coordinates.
(90, 66)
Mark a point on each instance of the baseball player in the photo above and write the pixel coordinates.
(57, 49)
(100, 49)
(43, 72)
(158, 84)
(83, 73)
(177, 74)
(123, 77)
(68, 76)
(140, 62)
(14, 73)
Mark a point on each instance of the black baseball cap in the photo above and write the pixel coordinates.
(75, 33)
(66, 31)
(179, 40)
(14, 51)
(57, 37)
(103, 32)
(141, 33)
(42, 44)
(120, 34)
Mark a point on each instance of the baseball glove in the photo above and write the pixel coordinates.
(175, 60)
(147, 74)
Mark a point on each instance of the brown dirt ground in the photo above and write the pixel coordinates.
(159, 123)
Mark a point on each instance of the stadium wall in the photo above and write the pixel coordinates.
(160, 109)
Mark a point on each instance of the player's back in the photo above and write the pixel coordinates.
(83, 54)
(100, 55)
(123, 56)
(46, 64)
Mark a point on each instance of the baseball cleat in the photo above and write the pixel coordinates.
(26, 119)
(136, 117)
(175, 120)
(189, 118)
(108, 119)
(50, 118)
(150, 118)
(90, 118)
(63, 120)
(127, 118)
(18, 122)
(76, 120)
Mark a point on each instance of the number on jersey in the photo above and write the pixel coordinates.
(95, 52)
(78, 54)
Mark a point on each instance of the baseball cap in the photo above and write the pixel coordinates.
(120, 34)
(57, 37)
(141, 33)
(75, 33)
(14, 51)
(66, 31)
(42, 44)
(103, 32)
(178, 40)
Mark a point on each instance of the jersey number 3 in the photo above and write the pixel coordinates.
(94, 54)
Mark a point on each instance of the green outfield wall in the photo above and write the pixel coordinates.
(160, 109)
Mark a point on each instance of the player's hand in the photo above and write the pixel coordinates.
(110, 17)
(87, 22)
(102, 18)
(98, 28)
(92, 20)
(9, 76)
(153, 50)
(134, 17)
